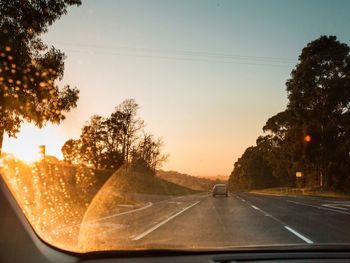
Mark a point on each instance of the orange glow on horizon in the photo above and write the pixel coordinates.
(28, 156)
(26, 146)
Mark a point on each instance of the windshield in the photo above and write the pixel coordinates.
(118, 118)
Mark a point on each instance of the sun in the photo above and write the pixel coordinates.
(29, 155)
(26, 146)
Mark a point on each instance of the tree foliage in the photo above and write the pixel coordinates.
(318, 109)
(148, 149)
(29, 69)
(108, 143)
(252, 170)
(71, 151)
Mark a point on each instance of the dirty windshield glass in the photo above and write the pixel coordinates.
(118, 118)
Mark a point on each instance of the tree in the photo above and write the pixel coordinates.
(71, 151)
(251, 171)
(319, 98)
(92, 141)
(149, 151)
(318, 109)
(285, 140)
(131, 125)
(108, 143)
(29, 69)
(115, 127)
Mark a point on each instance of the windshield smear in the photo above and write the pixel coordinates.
(181, 125)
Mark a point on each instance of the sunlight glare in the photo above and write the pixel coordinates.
(26, 145)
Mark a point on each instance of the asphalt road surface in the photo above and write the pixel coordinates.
(200, 221)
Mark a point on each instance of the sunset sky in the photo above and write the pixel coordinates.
(206, 74)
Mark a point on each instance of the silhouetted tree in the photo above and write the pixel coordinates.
(318, 109)
(29, 68)
(108, 143)
(115, 127)
(92, 141)
(251, 171)
(71, 151)
(149, 150)
(131, 125)
(319, 97)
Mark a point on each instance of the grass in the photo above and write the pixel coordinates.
(128, 180)
(289, 191)
(124, 182)
(56, 197)
(118, 191)
(119, 188)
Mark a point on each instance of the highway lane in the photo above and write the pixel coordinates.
(221, 222)
(120, 229)
(324, 220)
(200, 221)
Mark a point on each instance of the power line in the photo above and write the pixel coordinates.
(185, 55)
(177, 52)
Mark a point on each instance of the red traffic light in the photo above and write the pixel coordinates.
(307, 138)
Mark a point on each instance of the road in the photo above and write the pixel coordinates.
(200, 221)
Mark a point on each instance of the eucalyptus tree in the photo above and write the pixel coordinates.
(29, 69)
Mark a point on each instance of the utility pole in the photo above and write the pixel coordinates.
(42, 149)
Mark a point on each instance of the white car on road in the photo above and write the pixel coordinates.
(219, 189)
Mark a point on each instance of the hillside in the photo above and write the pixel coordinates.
(129, 179)
(121, 187)
(192, 182)
(223, 178)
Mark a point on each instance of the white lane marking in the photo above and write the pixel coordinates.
(142, 235)
(240, 198)
(173, 202)
(266, 213)
(126, 205)
(255, 207)
(309, 241)
(299, 235)
(127, 212)
(319, 207)
(149, 204)
(337, 206)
